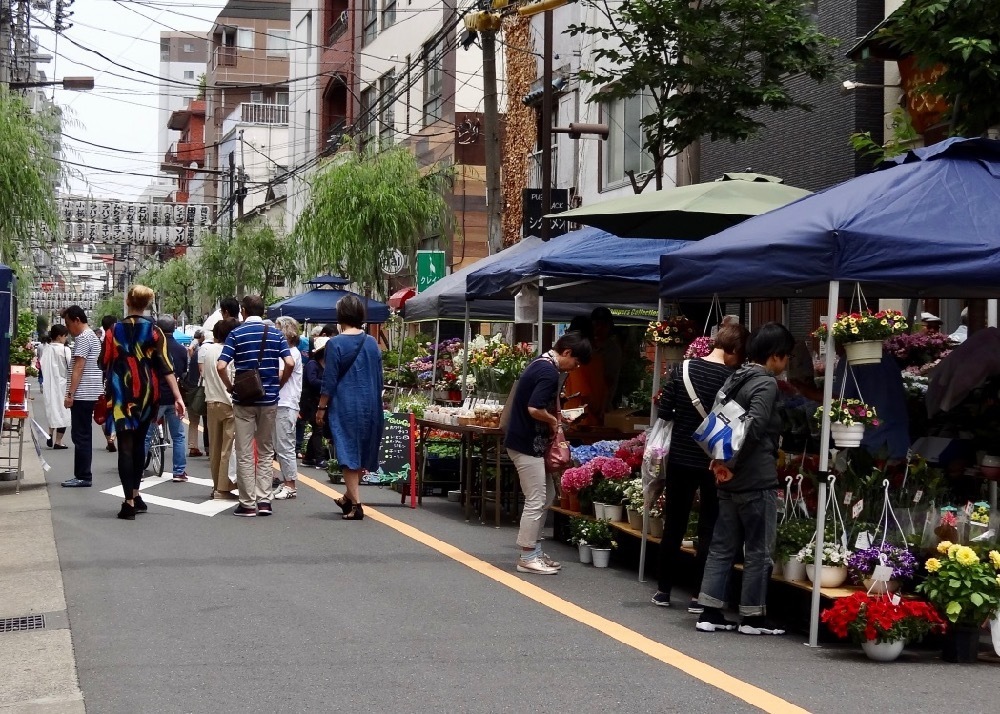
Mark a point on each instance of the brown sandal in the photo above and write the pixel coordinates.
(345, 504)
(357, 513)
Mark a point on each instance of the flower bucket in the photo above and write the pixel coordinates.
(794, 570)
(584, 551)
(598, 510)
(613, 513)
(829, 576)
(961, 644)
(863, 352)
(880, 587)
(673, 354)
(602, 557)
(574, 502)
(656, 527)
(564, 500)
(846, 437)
(635, 519)
(882, 651)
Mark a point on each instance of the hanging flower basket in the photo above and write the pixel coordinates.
(847, 436)
(673, 354)
(863, 352)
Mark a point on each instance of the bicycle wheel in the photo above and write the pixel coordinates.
(154, 457)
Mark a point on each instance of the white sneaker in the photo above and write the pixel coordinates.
(551, 563)
(535, 565)
(284, 493)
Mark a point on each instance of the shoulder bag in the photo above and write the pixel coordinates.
(722, 432)
(247, 386)
(692, 394)
(557, 454)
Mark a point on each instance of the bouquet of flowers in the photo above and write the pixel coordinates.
(700, 347)
(631, 453)
(834, 554)
(849, 412)
(866, 325)
(576, 479)
(495, 364)
(449, 382)
(866, 618)
(862, 563)
(675, 332)
(963, 588)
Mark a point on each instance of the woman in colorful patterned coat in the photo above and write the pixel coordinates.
(133, 354)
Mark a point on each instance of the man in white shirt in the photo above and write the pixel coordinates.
(86, 386)
(228, 307)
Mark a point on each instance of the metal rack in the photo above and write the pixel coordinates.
(15, 419)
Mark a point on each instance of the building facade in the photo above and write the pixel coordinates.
(183, 59)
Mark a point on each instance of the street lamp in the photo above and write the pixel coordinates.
(73, 84)
(849, 86)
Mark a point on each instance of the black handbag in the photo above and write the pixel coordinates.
(247, 386)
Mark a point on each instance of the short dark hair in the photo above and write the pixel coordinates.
(57, 331)
(732, 338)
(108, 321)
(577, 344)
(581, 324)
(329, 329)
(230, 305)
(74, 312)
(770, 339)
(601, 314)
(222, 328)
(253, 305)
(167, 324)
(351, 311)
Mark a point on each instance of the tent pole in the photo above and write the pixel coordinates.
(991, 321)
(437, 341)
(657, 367)
(465, 352)
(541, 303)
(824, 455)
(399, 361)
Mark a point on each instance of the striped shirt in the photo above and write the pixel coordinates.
(91, 386)
(707, 379)
(242, 347)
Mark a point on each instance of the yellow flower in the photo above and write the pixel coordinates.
(933, 565)
(943, 546)
(854, 330)
(953, 550)
(995, 559)
(966, 556)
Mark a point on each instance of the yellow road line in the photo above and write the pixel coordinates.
(689, 665)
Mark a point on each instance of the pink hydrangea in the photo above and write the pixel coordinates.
(576, 479)
(611, 467)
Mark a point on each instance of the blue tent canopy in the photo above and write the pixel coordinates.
(585, 265)
(320, 305)
(926, 223)
(8, 324)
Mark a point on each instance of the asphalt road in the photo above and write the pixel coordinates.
(180, 612)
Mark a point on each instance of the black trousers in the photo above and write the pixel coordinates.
(315, 451)
(681, 484)
(81, 431)
(132, 457)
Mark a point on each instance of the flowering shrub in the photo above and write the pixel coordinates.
(700, 347)
(920, 349)
(585, 453)
(656, 510)
(864, 618)
(862, 563)
(631, 453)
(963, 588)
(676, 332)
(849, 412)
(600, 535)
(834, 554)
(635, 495)
(495, 364)
(867, 325)
(610, 467)
(576, 479)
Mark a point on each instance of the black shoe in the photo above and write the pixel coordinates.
(275, 482)
(245, 512)
(308, 462)
(758, 625)
(127, 513)
(76, 483)
(345, 504)
(48, 442)
(59, 446)
(357, 513)
(263, 508)
(661, 599)
(111, 447)
(140, 505)
(695, 607)
(712, 620)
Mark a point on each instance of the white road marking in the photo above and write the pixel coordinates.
(206, 508)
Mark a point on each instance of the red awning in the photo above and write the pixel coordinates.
(399, 298)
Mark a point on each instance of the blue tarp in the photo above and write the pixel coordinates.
(585, 265)
(926, 223)
(8, 324)
(320, 306)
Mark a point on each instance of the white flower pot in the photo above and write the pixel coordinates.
(794, 570)
(880, 587)
(598, 510)
(584, 550)
(829, 576)
(883, 651)
(656, 527)
(672, 353)
(613, 513)
(863, 352)
(777, 568)
(635, 519)
(846, 437)
(602, 556)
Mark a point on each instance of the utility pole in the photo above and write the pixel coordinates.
(232, 191)
(6, 17)
(491, 127)
(546, 134)
(241, 190)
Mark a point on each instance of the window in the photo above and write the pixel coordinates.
(281, 98)
(623, 150)
(188, 48)
(277, 43)
(189, 74)
(257, 97)
(366, 118)
(389, 14)
(370, 10)
(244, 38)
(164, 50)
(432, 84)
(387, 108)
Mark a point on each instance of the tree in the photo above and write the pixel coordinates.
(706, 66)
(113, 304)
(28, 176)
(258, 255)
(174, 284)
(964, 37)
(366, 204)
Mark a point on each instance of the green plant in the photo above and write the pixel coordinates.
(903, 136)
(849, 412)
(865, 325)
(609, 491)
(334, 471)
(792, 535)
(634, 494)
(865, 618)
(964, 588)
(834, 554)
(21, 351)
(600, 534)
(415, 403)
(579, 530)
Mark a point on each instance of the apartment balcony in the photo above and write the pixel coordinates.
(224, 56)
(182, 154)
(337, 29)
(535, 168)
(253, 113)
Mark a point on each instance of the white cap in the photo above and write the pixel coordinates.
(929, 317)
(316, 330)
(320, 342)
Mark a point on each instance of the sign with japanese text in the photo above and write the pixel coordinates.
(86, 220)
(531, 222)
(430, 268)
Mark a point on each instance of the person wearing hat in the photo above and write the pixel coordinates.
(312, 385)
(932, 323)
(962, 333)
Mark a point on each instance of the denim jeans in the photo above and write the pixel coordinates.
(749, 520)
(81, 431)
(177, 437)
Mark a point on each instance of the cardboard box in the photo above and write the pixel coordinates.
(627, 420)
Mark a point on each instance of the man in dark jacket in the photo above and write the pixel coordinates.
(179, 358)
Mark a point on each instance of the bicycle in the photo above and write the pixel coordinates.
(157, 448)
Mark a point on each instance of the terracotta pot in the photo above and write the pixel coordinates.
(564, 501)
(574, 502)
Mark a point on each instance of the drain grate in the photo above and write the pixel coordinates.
(20, 624)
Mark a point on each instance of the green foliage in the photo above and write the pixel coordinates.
(21, 352)
(609, 491)
(365, 204)
(707, 66)
(28, 175)
(792, 535)
(964, 36)
(964, 588)
(113, 304)
(174, 284)
(903, 136)
(250, 264)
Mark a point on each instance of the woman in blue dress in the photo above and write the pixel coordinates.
(352, 397)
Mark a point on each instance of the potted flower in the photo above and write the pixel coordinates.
(862, 563)
(881, 625)
(602, 540)
(673, 334)
(833, 564)
(792, 536)
(579, 527)
(608, 494)
(966, 591)
(848, 420)
(572, 481)
(699, 347)
(636, 500)
(862, 333)
(333, 471)
(656, 517)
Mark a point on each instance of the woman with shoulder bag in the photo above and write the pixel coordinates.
(533, 423)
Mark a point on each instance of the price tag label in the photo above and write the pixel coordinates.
(968, 508)
(864, 541)
(858, 507)
(847, 498)
(882, 573)
(894, 599)
(917, 496)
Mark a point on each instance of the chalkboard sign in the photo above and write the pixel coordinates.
(394, 452)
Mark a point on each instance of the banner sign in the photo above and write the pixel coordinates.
(84, 220)
(39, 300)
(532, 211)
